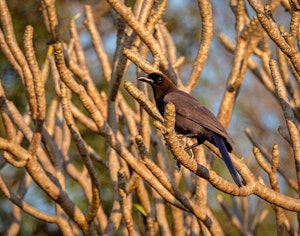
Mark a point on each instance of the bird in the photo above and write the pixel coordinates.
(192, 119)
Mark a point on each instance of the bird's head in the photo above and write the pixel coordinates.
(158, 81)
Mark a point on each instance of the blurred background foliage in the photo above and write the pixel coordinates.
(255, 107)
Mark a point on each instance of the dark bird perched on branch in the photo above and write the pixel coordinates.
(192, 119)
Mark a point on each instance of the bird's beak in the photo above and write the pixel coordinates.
(145, 79)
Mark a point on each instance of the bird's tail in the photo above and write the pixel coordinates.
(223, 150)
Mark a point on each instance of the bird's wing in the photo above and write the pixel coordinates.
(189, 107)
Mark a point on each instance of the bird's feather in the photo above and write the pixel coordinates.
(221, 145)
(190, 108)
(192, 119)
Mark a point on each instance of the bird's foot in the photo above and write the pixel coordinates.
(190, 152)
(184, 141)
(191, 146)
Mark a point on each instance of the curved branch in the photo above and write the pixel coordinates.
(206, 37)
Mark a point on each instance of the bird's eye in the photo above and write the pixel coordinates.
(159, 79)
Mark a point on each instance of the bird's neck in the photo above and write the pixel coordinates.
(160, 105)
(159, 95)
